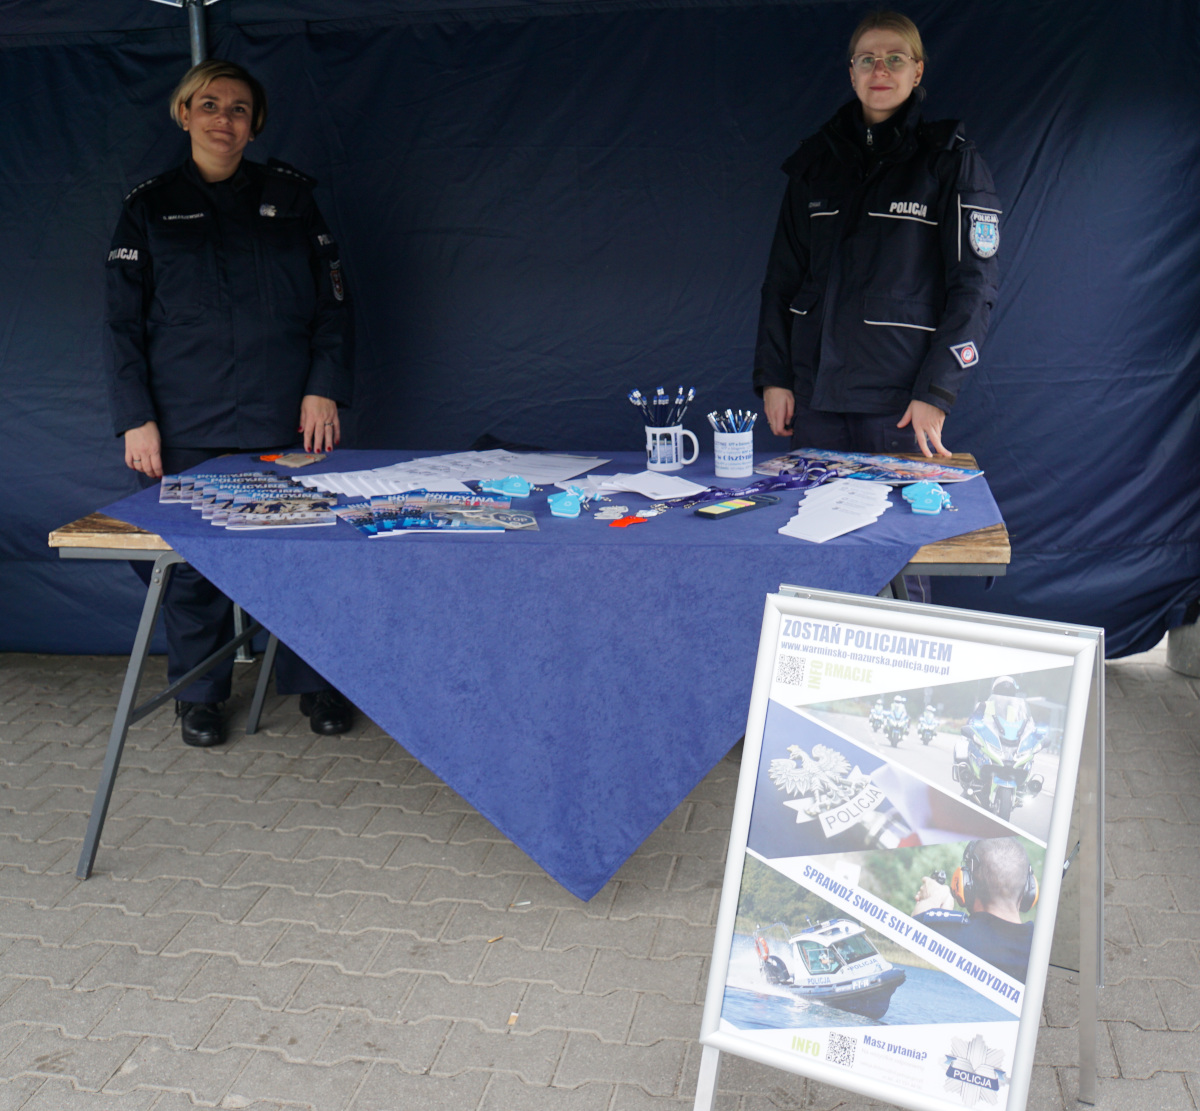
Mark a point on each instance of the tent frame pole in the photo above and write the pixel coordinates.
(197, 38)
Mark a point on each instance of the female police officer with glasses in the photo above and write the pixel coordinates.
(228, 322)
(882, 274)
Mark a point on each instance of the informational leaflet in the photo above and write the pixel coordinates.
(871, 468)
(911, 792)
(448, 472)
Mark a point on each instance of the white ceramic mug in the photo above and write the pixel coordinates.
(664, 448)
(733, 453)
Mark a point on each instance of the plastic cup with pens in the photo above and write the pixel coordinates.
(733, 443)
(664, 431)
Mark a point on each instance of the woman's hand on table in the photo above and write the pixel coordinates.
(319, 423)
(143, 449)
(779, 404)
(926, 421)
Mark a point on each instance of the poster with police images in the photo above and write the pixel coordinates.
(897, 849)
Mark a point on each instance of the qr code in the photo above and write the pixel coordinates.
(790, 671)
(841, 1050)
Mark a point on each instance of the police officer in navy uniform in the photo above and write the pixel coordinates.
(228, 323)
(882, 274)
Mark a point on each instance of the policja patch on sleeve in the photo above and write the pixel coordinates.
(335, 279)
(984, 233)
(967, 354)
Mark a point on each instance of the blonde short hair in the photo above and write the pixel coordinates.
(201, 76)
(890, 21)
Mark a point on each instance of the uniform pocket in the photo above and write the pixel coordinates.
(183, 269)
(804, 302)
(893, 341)
(285, 268)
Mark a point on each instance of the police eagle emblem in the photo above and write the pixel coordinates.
(984, 233)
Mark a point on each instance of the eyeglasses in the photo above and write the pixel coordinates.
(865, 63)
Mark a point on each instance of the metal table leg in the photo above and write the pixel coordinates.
(127, 712)
(260, 688)
(160, 577)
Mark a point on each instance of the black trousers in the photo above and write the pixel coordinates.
(851, 432)
(198, 618)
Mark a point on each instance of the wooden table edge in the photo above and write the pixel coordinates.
(98, 530)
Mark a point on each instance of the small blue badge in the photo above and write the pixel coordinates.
(984, 234)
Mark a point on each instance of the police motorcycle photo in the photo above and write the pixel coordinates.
(896, 724)
(877, 716)
(832, 962)
(993, 759)
(927, 725)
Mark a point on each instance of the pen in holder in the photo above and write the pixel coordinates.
(664, 432)
(733, 443)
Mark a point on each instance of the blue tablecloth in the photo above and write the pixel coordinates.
(573, 684)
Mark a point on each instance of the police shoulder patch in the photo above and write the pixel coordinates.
(335, 279)
(984, 233)
(967, 354)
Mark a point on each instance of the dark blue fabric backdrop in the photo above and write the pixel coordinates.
(546, 204)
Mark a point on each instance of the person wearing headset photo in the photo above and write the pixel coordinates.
(994, 885)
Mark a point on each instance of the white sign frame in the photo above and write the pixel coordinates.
(1078, 652)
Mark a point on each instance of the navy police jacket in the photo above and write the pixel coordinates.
(881, 279)
(226, 305)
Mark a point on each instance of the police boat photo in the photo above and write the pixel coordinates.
(832, 962)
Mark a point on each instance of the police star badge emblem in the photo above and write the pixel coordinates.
(984, 233)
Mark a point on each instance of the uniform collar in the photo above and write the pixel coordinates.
(239, 181)
(895, 138)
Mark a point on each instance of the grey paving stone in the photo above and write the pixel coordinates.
(155, 1064)
(73, 1013)
(387, 1088)
(350, 952)
(677, 979)
(302, 877)
(269, 986)
(123, 966)
(349, 878)
(658, 1017)
(1164, 1091)
(608, 1017)
(54, 1095)
(504, 858)
(16, 1092)
(380, 996)
(632, 936)
(52, 926)
(63, 968)
(433, 997)
(526, 927)
(357, 1036)
(87, 1063)
(543, 892)
(681, 939)
(423, 920)
(404, 953)
(113, 926)
(188, 896)
(328, 844)
(207, 935)
(1142, 1053)
(245, 1025)
(498, 892)
(320, 1086)
(532, 1057)
(506, 1093)
(279, 904)
(566, 969)
(629, 1097)
(139, 1014)
(251, 841)
(1180, 1005)
(656, 1069)
(697, 907)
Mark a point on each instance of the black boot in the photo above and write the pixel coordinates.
(201, 723)
(328, 712)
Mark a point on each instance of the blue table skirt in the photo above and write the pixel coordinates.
(573, 684)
